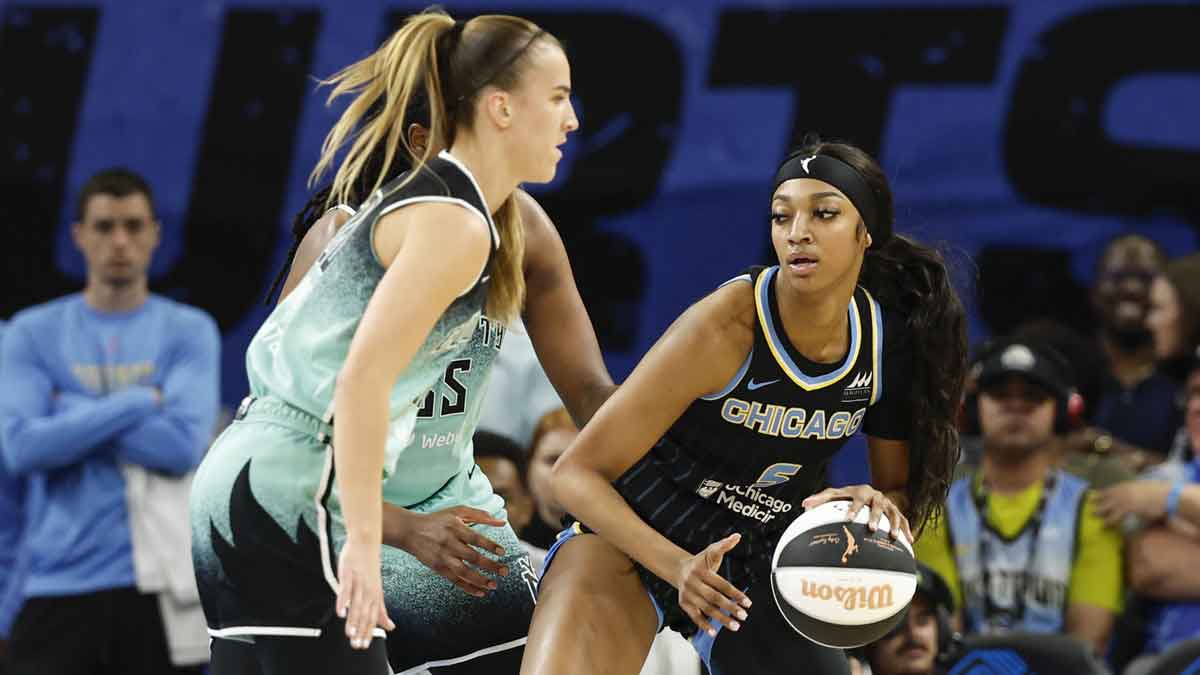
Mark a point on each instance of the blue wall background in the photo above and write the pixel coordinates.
(1022, 135)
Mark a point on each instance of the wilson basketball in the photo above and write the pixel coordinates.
(837, 583)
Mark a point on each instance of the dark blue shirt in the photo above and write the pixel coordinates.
(1147, 415)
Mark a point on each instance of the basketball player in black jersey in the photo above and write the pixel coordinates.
(690, 472)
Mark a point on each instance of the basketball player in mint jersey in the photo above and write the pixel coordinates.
(436, 477)
(287, 525)
(687, 476)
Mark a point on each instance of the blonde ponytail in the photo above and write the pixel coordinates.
(410, 64)
(387, 81)
(506, 292)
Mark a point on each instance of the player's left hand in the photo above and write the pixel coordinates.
(865, 495)
(360, 592)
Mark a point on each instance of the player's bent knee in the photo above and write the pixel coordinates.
(592, 579)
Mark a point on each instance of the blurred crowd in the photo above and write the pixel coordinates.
(1066, 537)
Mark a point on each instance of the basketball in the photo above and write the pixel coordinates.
(838, 584)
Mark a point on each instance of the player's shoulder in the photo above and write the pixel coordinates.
(542, 241)
(726, 316)
(532, 213)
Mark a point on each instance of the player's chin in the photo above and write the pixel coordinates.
(543, 174)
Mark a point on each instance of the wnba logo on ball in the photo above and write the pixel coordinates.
(851, 597)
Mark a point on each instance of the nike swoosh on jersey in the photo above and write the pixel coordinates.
(752, 385)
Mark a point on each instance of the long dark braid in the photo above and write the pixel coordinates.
(319, 203)
(914, 281)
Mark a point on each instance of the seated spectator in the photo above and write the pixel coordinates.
(1028, 551)
(1100, 464)
(921, 640)
(108, 403)
(504, 464)
(1174, 322)
(554, 432)
(1134, 417)
(1174, 316)
(1163, 555)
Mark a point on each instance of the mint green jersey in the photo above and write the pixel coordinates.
(446, 421)
(297, 353)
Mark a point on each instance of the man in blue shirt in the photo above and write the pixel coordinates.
(12, 493)
(102, 387)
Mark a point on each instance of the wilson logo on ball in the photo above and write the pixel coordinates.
(850, 597)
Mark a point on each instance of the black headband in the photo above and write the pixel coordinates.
(846, 179)
(503, 66)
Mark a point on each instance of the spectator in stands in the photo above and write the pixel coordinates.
(1029, 553)
(1089, 370)
(1174, 316)
(108, 402)
(554, 432)
(504, 463)
(1163, 555)
(519, 393)
(12, 494)
(1135, 417)
(921, 639)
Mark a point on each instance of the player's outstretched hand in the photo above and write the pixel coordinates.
(705, 595)
(865, 495)
(360, 592)
(444, 542)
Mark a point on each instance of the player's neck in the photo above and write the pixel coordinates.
(490, 170)
(817, 324)
(113, 298)
(1008, 474)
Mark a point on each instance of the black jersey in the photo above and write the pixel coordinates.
(743, 458)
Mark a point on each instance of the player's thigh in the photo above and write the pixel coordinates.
(767, 644)
(593, 612)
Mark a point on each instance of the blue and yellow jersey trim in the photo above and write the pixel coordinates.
(779, 350)
(876, 346)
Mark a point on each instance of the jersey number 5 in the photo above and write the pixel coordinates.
(776, 474)
(450, 406)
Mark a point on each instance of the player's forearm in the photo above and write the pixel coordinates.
(359, 437)
(587, 495)
(588, 400)
(395, 524)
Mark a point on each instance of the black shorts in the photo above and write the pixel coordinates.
(290, 655)
(764, 644)
(118, 631)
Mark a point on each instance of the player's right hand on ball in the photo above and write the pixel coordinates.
(360, 592)
(705, 595)
(444, 542)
